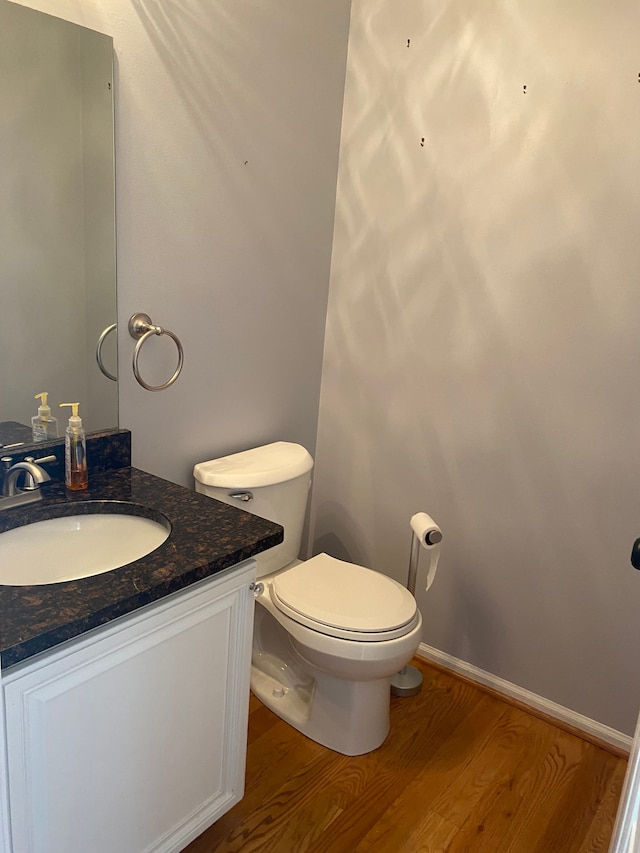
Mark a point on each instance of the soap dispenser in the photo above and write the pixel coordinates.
(43, 425)
(75, 452)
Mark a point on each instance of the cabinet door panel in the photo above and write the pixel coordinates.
(134, 742)
(5, 840)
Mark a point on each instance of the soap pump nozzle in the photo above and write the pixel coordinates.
(44, 411)
(74, 421)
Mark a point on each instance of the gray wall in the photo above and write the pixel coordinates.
(482, 357)
(227, 126)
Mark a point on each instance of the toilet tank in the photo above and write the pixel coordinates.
(271, 481)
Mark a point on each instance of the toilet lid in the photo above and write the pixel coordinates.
(337, 597)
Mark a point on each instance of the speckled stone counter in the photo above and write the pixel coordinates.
(206, 537)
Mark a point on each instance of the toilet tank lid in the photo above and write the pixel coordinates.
(260, 466)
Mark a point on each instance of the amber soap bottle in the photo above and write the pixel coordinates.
(75, 452)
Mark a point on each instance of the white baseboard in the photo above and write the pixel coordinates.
(532, 700)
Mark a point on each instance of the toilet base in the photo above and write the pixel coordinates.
(334, 691)
(332, 708)
(349, 717)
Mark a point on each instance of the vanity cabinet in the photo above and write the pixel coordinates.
(132, 739)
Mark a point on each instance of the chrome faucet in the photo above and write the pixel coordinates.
(33, 475)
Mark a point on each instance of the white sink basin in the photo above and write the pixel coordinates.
(75, 546)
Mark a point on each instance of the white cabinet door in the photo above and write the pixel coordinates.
(5, 840)
(133, 739)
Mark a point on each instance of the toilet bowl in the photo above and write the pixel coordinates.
(328, 635)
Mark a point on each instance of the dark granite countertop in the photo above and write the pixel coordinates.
(207, 536)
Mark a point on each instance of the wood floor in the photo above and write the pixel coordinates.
(461, 771)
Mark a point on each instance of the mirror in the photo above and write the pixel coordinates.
(57, 221)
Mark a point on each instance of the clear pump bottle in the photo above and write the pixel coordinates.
(75, 452)
(43, 425)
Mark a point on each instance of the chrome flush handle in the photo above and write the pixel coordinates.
(242, 496)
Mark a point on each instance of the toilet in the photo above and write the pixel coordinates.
(328, 635)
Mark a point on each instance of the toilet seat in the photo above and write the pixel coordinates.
(343, 600)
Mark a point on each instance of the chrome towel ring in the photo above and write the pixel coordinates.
(101, 340)
(141, 328)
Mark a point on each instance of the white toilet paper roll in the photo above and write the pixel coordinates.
(428, 533)
(429, 536)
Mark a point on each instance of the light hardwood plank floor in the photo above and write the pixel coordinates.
(462, 771)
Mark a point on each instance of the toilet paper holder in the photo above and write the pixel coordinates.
(425, 534)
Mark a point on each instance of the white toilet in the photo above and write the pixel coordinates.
(328, 635)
